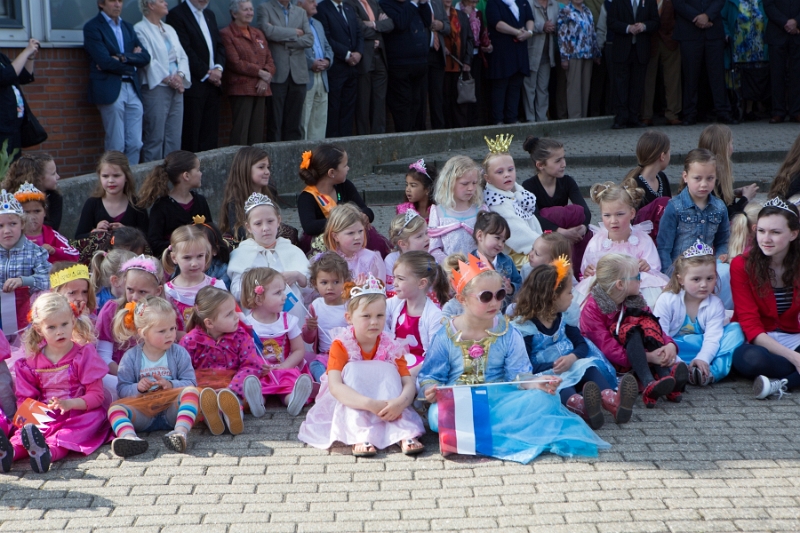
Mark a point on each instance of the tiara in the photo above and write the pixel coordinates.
(698, 249)
(29, 193)
(72, 273)
(780, 204)
(256, 199)
(562, 265)
(9, 205)
(467, 271)
(500, 144)
(420, 167)
(372, 286)
(410, 215)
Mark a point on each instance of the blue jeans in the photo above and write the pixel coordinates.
(122, 122)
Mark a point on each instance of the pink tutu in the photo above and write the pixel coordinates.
(281, 381)
(329, 421)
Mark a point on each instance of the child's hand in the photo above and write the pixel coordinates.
(12, 284)
(144, 385)
(564, 363)
(311, 321)
(163, 384)
(50, 249)
(377, 406)
(589, 271)
(723, 258)
(64, 406)
(548, 386)
(656, 357)
(671, 354)
(392, 411)
(644, 266)
(705, 370)
(507, 286)
(430, 394)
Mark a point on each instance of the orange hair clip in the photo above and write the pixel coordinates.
(306, 162)
(130, 307)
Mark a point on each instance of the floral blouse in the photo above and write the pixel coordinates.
(577, 38)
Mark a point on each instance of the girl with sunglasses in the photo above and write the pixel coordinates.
(480, 347)
(617, 319)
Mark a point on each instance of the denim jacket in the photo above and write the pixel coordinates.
(683, 223)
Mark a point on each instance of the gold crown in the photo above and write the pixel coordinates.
(69, 274)
(199, 220)
(467, 271)
(500, 144)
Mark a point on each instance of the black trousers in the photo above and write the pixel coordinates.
(456, 115)
(200, 117)
(505, 99)
(784, 70)
(693, 54)
(404, 97)
(629, 80)
(371, 110)
(287, 110)
(433, 93)
(342, 95)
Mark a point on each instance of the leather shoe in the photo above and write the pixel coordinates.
(689, 121)
(795, 118)
(636, 124)
(674, 122)
(617, 126)
(727, 119)
(777, 119)
(647, 122)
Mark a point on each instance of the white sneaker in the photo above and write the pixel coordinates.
(300, 393)
(764, 388)
(253, 396)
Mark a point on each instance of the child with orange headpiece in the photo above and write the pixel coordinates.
(34, 203)
(479, 347)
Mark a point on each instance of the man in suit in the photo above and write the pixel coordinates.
(783, 38)
(434, 91)
(664, 51)
(633, 21)
(116, 53)
(289, 36)
(344, 35)
(372, 74)
(198, 33)
(319, 59)
(698, 27)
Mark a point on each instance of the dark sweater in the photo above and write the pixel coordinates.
(167, 215)
(94, 211)
(55, 207)
(566, 191)
(650, 194)
(311, 218)
(408, 42)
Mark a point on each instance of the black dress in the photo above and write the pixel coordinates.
(649, 194)
(94, 211)
(567, 191)
(167, 215)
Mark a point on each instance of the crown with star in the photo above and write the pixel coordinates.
(256, 199)
(467, 271)
(72, 273)
(780, 204)
(371, 286)
(9, 205)
(28, 193)
(500, 144)
(699, 248)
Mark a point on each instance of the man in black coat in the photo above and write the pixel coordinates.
(783, 38)
(341, 24)
(633, 22)
(197, 30)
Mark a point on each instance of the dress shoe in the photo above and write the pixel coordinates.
(689, 121)
(795, 118)
(777, 119)
(637, 124)
(616, 126)
(647, 122)
(727, 119)
(674, 122)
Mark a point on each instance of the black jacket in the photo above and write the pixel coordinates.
(407, 44)
(9, 123)
(687, 10)
(94, 211)
(778, 12)
(191, 37)
(620, 16)
(167, 215)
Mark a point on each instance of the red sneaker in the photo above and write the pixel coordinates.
(657, 389)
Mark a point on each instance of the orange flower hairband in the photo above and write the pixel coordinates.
(562, 265)
(306, 162)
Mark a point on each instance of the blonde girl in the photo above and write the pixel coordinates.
(189, 251)
(365, 398)
(59, 345)
(718, 139)
(459, 197)
(346, 235)
(105, 276)
(285, 373)
(617, 235)
(40, 171)
(72, 281)
(266, 248)
(156, 381)
(407, 232)
(652, 155)
(419, 189)
(787, 180)
(34, 204)
(690, 312)
(175, 206)
(616, 318)
(411, 315)
(113, 202)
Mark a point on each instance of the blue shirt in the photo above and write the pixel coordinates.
(318, 52)
(116, 27)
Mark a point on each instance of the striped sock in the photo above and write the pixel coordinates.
(188, 403)
(120, 419)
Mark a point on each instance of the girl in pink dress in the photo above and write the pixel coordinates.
(365, 398)
(8, 400)
(189, 251)
(286, 373)
(345, 234)
(419, 189)
(62, 370)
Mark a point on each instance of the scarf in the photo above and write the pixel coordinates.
(609, 306)
(325, 203)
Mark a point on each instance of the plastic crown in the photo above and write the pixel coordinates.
(500, 144)
(467, 271)
(698, 249)
(9, 205)
(410, 215)
(69, 274)
(256, 199)
(780, 204)
(371, 286)
(28, 193)
(199, 220)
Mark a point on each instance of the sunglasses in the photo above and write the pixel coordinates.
(486, 296)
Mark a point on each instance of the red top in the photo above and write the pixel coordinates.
(758, 313)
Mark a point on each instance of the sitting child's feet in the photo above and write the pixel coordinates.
(299, 395)
(129, 446)
(680, 372)
(175, 440)
(620, 402)
(696, 378)
(253, 396)
(209, 406)
(674, 397)
(763, 387)
(38, 450)
(364, 449)
(411, 446)
(231, 410)
(656, 389)
(6, 453)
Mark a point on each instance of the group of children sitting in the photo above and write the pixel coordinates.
(474, 286)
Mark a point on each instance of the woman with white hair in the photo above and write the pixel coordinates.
(163, 82)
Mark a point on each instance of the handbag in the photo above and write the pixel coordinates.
(465, 86)
(31, 131)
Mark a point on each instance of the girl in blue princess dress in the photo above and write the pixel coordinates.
(481, 347)
(556, 347)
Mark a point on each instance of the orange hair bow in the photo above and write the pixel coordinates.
(130, 307)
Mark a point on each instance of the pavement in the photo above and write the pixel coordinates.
(718, 461)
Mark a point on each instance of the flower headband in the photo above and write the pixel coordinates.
(141, 262)
(420, 167)
(562, 265)
(306, 162)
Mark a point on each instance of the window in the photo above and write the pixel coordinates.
(11, 14)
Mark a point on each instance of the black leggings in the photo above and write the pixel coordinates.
(637, 357)
(751, 361)
(592, 374)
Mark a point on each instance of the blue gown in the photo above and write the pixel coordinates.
(689, 341)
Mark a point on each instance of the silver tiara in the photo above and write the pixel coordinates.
(371, 286)
(256, 199)
(9, 205)
(698, 249)
(411, 214)
(780, 204)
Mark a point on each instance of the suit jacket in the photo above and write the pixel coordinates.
(327, 51)
(371, 35)
(779, 12)
(288, 50)
(687, 10)
(106, 72)
(620, 16)
(665, 30)
(343, 37)
(246, 55)
(439, 14)
(191, 36)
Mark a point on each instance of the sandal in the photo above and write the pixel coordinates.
(411, 446)
(367, 450)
